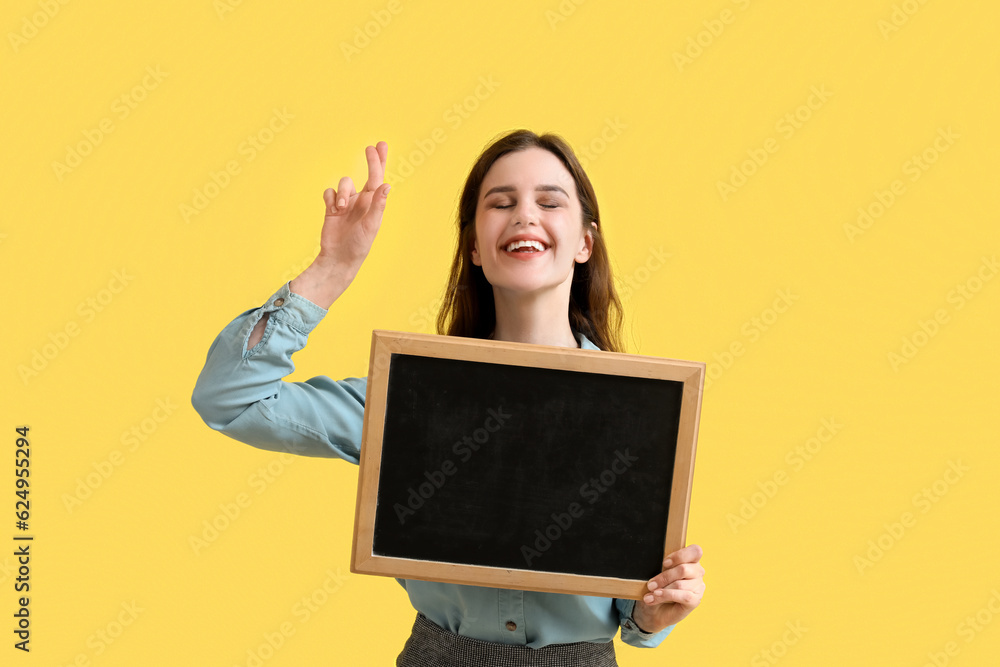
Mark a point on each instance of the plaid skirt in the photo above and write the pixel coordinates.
(432, 646)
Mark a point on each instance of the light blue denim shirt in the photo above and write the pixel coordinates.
(242, 394)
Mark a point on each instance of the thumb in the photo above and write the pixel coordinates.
(328, 200)
(380, 197)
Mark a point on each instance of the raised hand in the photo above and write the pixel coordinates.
(349, 227)
(353, 218)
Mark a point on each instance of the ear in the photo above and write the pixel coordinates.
(476, 259)
(588, 246)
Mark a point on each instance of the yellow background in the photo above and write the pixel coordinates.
(661, 133)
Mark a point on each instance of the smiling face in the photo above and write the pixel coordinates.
(529, 230)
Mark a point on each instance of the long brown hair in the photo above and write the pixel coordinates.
(468, 308)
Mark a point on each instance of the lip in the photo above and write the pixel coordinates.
(524, 255)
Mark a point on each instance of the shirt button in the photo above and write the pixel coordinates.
(628, 625)
(511, 625)
(278, 303)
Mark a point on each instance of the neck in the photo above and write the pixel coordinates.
(540, 319)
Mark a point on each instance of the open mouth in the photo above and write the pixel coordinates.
(525, 247)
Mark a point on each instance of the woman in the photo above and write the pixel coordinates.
(530, 266)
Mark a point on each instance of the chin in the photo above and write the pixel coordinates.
(525, 287)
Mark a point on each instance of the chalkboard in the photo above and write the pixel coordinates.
(523, 466)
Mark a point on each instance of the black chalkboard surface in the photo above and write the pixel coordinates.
(523, 466)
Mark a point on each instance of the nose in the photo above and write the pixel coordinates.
(525, 214)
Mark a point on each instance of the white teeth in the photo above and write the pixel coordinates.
(525, 244)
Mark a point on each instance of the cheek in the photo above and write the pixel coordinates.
(487, 231)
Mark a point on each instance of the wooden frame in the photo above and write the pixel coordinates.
(386, 344)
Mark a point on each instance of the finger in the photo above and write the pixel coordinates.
(689, 554)
(683, 571)
(329, 198)
(382, 149)
(671, 595)
(678, 573)
(668, 594)
(374, 169)
(345, 190)
(696, 585)
(377, 207)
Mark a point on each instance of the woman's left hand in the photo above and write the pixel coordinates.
(674, 593)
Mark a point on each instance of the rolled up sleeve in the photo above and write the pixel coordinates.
(631, 634)
(241, 392)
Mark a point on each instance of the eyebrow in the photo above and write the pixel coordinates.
(511, 188)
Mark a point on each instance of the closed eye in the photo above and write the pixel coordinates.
(505, 206)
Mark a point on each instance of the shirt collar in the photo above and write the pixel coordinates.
(585, 343)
